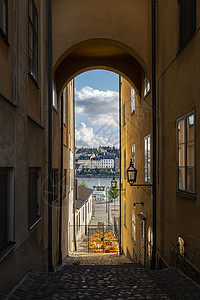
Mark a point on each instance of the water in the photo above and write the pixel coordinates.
(91, 181)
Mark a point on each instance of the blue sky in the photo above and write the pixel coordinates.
(97, 108)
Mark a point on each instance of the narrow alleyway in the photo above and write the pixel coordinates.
(105, 276)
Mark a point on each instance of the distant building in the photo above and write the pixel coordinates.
(107, 162)
(83, 213)
(85, 161)
(96, 162)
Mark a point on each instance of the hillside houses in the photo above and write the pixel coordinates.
(89, 160)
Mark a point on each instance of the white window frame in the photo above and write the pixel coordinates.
(192, 120)
(147, 162)
(132, 100)
(147, 85)
(133, 227)
(55, 98)
(133, 154)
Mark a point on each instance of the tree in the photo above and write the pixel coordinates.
(100, 149)
(114, 193)
(83, 183)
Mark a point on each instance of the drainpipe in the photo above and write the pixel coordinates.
(50, 190)
(153, 21)
(61, 181)
(120, 144)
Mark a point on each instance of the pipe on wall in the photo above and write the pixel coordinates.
(154, 111)
(61, 181)
(50, 190)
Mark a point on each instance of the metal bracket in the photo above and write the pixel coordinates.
(149, 192)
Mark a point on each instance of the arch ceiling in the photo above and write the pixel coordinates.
(91, 34)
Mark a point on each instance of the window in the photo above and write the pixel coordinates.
(76, 224)
(133, 226)
(187, 20)
(6, 207)
(146, 85)
(55, 100)
(4, 17)
(186, 153)
(83, 213)
(125, 214)
(33, 40)
(34, 190)
(149, 244)
(133, 154)
(124, 115)
(125, 164)
(64, 106)
(132, 100)
(55, 185)
(65, 183)
(147, 158)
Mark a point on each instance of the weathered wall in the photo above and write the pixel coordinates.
(178, 86)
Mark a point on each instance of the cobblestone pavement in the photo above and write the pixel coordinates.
(105, 277)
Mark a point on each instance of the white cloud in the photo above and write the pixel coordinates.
(100, 106)
(85, 137)
(102, 120)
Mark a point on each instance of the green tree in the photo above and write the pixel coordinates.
(114, 193)
(100, 149)
(83, 183)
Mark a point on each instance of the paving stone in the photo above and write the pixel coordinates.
(106, 277)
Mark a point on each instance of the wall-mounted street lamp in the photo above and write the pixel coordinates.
(131, 174)
(113, 183)
(131, 178)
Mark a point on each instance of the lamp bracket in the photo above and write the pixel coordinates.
(149, 192)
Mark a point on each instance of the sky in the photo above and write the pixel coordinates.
(96, 109)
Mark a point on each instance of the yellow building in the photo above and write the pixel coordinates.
(177, 162)
(136, 146)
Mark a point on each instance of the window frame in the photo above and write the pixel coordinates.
(38, 215)
(125, 215)
(146, 85)
(54, 94)
(125, 164)
(31, 71)
(65, 183)
(183, 43)
(149, 244)
(133, 99)
(124, 113)
(10, 244)
(5, 33)
(148, 169)
(133, 154)
(184, 118)
(64, 106)
(133, 236)
(55, 187)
